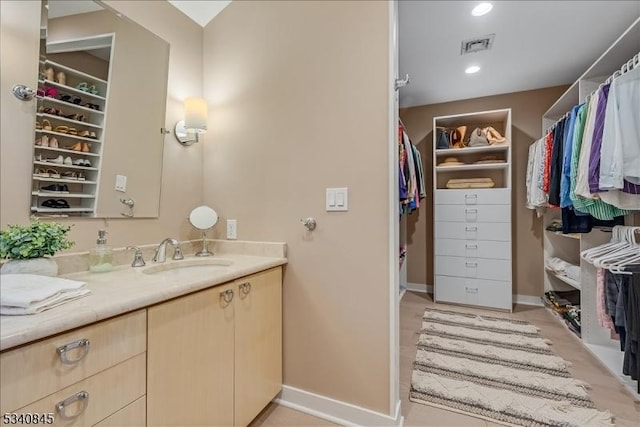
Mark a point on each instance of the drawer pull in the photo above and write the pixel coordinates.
(471, 264)
(81, 396)
(471, 199)
(63, 349)
(471, 290)
(227, 296)
(473, 211)
(245, 288)
(471, 228)
(471, 246)
(470, 196)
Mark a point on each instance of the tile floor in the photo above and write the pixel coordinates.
(607, 393)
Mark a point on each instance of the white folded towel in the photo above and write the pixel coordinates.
(30, 293)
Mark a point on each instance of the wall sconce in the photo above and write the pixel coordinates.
(194, 123)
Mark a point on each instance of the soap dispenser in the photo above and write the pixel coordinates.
(101, 257)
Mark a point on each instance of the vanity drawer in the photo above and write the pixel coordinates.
(477, 213)
(500, 196)
(493, 269)
(496, 231)
(132, 415)
(36, 370)
(105, 394)
(486, 293)
(473, 248)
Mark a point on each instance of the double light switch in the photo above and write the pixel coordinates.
(338, 199)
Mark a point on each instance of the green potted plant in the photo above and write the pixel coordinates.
(27, 247)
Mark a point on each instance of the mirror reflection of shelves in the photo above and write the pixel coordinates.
(70, 119)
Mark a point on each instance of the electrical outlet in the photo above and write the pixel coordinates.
(231, 229)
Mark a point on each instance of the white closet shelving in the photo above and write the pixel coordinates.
(472, 247)
(595, 338)
(71, 112)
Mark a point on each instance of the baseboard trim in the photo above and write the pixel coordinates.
(527, 300)
(420, 287)
(336, 411)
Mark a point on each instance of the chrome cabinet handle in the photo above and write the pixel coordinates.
(227, 296)
(63, 349)
(245, 288)
(81, 396)
(475, 211)
(471, 264)
(471, 228)
(471, 246)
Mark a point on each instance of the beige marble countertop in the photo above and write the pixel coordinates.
(123, 290)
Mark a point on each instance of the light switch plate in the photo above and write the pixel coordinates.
(337, 199)
(231, 229)
(121, 183)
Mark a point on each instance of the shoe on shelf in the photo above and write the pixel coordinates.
(55, 188)
(92, 134)
(62, 129)
(70, 175)
(75, 147)
(68, 161)
(72, 131)
(53, 142)
(56, 204)
(41, 173)
(48, 73)
(53, 173)
(83, 87)
(37, 157)
(61, 78)
(46, 124)
(80, 176)
(42, 141)
(38, 125)
(86, 148)
(59, 160)
(84, 133)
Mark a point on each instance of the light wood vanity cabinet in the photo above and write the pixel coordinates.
(95, 370)
(211, 358)
(215, 356)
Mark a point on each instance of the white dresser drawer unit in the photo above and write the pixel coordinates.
(495, 231)
(498, 196)
(478, 213)
(473, 248)
(493, 269)
(487, 293)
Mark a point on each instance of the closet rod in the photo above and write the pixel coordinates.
(626, 67)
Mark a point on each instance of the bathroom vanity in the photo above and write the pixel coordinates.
(166, 347)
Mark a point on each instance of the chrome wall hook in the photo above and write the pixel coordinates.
(309, 223)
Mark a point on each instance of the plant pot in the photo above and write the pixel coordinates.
(41, 266)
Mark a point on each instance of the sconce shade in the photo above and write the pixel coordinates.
(195, 120)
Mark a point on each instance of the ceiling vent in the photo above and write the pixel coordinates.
(477, 44)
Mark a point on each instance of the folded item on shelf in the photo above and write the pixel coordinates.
(31, 293)
(573, 272)
(478, 138)
(558, 265)
(451, 161)
(470, 183)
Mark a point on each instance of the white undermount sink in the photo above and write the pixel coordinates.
(188, 266)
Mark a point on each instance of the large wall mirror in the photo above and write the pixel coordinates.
(101, 103)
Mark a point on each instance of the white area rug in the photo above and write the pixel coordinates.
(497, 369)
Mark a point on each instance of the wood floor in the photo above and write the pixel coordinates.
(607, 393)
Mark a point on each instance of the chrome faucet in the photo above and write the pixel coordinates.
(161, 251)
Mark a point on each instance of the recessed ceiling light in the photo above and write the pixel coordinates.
(473, 69)
(482, 9)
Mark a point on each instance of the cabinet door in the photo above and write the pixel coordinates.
(258, 343)
(190, 360)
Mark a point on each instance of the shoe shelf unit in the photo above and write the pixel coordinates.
(596, 339)
(77, 117)
(472, 227)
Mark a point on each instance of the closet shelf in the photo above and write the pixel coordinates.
(63, 195)
(56, 210)
(58, 165)
(70, 89)
(473, 150)
(62, 150)
(574, 236)
(73, 71)
(66, 181)
(82, 138)
(69, 105)
(473, 166)
(64, 119)
(565, 279)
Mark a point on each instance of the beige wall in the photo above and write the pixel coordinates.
(182, 167)
(526, 110)
(298, 96)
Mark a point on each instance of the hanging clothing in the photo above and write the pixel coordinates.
(411, 178)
